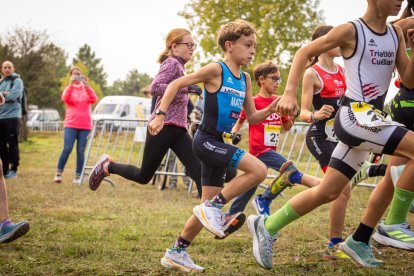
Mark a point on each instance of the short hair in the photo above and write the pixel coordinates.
(264, 69)
(233, 31)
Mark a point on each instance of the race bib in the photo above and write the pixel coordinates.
(329, 131)
(367, 115)
(271, 135)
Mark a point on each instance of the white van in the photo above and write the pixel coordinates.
(122, 107)
(44, 119)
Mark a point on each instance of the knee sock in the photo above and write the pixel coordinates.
(296, 177)
(181, 244)
(280, 219)
(400, 205)
(363, 233)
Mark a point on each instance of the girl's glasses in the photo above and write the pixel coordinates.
(190, 45)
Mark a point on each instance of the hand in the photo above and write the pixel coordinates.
(287, 105)
(6, 93)
(2, 100)
(272, 106)
(85, 81)
(325, 112)
(155, 126)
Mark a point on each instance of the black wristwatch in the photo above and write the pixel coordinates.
(159, 112)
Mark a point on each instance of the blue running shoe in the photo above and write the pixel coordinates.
(360, 253)
(261, 205)
(10, 231)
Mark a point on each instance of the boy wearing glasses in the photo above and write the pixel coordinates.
(263, 140)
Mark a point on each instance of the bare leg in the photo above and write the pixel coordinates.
(310, 181)
(337, 212)
(4, 206)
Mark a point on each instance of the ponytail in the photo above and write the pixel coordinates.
(164, 55)
(174, 36)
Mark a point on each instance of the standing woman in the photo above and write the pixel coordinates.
(179, 48)
(78, 97)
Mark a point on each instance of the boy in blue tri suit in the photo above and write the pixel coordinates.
(227, 91)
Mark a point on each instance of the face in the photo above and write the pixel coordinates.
(75, 73)
(391, 7)
(7, 69)
(271, 82)
(185, 48)
(243, 49)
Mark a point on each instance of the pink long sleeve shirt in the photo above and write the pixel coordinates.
(78, 100)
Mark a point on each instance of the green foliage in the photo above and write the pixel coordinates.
(96, 70)
(40, 63)
(131, 86)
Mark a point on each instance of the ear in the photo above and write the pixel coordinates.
(262, 79)
(228, 45)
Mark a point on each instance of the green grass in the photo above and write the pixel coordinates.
(125, 230)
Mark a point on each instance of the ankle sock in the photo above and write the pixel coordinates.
(219, 199)
(335, 241)
(363, 233)
(180, 244)
(296, 177)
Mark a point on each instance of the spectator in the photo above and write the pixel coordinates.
(78, 97)
(11, 86)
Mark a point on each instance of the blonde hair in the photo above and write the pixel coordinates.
(233, 31)
(74, 68)
(174, 36)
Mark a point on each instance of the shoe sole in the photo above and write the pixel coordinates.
(201, 216)
(16, 233)
(252, 230)
(354, 257)
(173, 265)
(93, 187)
(281, 171)
(391, 242)
(234, 226)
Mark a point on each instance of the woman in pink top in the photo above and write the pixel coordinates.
(78, 97)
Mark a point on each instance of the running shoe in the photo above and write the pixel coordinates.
(58, 178)
(360, 253)
(10, 174)
(261, 205)
(211, 217)
(262, 241)
(283, 179)
(99, 172)
(232, 223)
(76, 180)
(395, 235)
(361, 175)
(10, 231)
(332, 252)
(179, 259)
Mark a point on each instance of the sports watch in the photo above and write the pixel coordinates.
(159, 112)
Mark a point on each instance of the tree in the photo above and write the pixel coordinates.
(132, 85)
(96, 70)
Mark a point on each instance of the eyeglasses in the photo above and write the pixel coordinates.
(190, 45)
(275, 79)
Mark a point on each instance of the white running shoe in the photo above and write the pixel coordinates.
(395, 235)
(180, 260)
(262, 241)
(211, 217)
(361, 175)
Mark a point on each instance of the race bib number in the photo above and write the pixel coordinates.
(329, 130)
(271, 135)
(367, 115)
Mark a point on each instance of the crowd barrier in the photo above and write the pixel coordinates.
(123, 140)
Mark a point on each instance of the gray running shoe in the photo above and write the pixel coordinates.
(395, 235)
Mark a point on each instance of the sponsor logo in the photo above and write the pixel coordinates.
(236, 102)
(234, 115)
(372, 43)
(318, 150)
(401, 198)
(382, 57)
(230, 80)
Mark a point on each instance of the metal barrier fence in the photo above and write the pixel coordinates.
(123, 139)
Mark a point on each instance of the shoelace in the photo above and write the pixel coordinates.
(407, 227)
(183, 255)
(269, 248)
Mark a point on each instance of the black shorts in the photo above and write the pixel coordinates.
(319, 146)
(215, 156)
(402, 107)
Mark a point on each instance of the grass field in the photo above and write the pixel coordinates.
(125, 230)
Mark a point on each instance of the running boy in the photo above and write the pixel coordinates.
(371, 48)
(227, 91)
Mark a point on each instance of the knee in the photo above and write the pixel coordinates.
(328, 196)
(260, 172)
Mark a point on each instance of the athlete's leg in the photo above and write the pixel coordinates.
(4, 206)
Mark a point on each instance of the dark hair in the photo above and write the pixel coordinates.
(408, 11)
(317, 33)
(233, 31)
(264, 69)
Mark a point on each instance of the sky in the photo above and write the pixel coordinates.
(125, 34)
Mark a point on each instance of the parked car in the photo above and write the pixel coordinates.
(44, 119)
(112, 108)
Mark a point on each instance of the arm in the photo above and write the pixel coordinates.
(342, 36)
(253, 116)
(404, 65)
(66, 95)
(167, 73)
(205, 74)
(15, 92)
(92, 98)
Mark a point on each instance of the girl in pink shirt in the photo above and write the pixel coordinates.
(78, 97)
